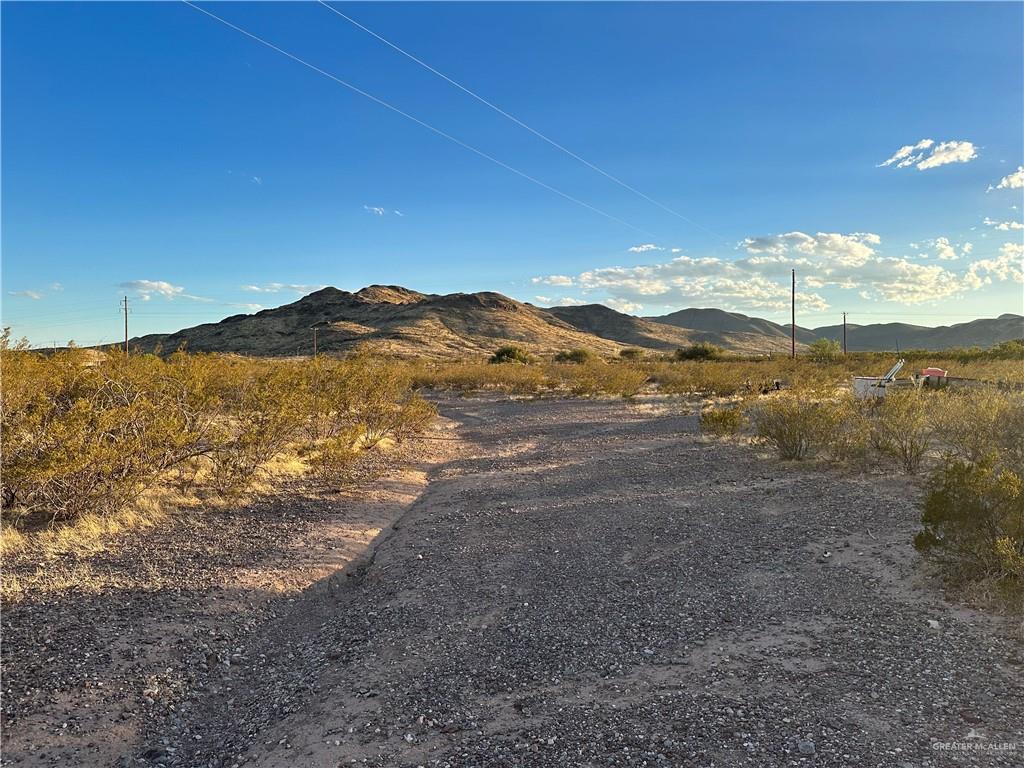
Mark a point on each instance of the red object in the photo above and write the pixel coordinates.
(932, 372)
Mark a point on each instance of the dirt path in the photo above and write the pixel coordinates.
(587, 583)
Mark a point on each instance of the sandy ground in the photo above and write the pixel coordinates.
(559, 583)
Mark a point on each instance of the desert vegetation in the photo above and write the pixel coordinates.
(86, 433)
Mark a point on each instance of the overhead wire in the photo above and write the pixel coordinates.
(520, 123)
(418, 121)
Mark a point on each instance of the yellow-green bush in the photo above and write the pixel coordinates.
(974, 521)
(904, 426)
(793, 423)
(85, 432)
(722, 420)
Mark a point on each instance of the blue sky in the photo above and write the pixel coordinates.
(149, 150)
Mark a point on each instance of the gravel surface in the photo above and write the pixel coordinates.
(589, 583)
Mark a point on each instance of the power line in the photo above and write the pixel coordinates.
(519, 122)
(416, 120)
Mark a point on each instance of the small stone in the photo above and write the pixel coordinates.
(806, 747)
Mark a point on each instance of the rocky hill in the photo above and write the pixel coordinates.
(399, 321)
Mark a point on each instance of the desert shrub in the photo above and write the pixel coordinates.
(631, 353)
(83, 432)
(510, 354)
(844, 427)
(974, 423)
(903, 428)
(702, 350)
(722, 421)
(824, 351)
(792, 423)
(512, 378)
(599, 378)
(574, 356)
(265, 411)
(332, 460)
(974, 521)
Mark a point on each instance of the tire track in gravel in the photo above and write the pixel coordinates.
(589, 583)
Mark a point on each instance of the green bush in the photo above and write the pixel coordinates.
(974, 521)
(844, 427)
(791, 422)
(700, 351)
(510, 354)
(903, 428)
(975, 423)
(728, 420)
(574, 356)
(85, 432)
(631, 353)
(824, 351)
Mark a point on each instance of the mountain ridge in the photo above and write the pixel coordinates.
(400, 321)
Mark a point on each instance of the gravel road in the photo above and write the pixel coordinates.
(589, 583)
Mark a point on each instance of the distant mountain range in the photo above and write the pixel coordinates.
(396, 320)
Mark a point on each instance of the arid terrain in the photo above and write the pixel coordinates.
(547, 583)
(398, 321)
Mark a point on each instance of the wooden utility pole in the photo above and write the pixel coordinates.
(844, 333)
(124, 308)
(792, 319)
(314, 340)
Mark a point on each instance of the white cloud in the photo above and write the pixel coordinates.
(569, 301)
(27, 294)
(943, 153)
(949, 152)
(1014, 181)
(849, 250)
(374, 210)
(944, 250)
(623, 305)
(676, 250)
(399, 213)
(760, 280)
(278, 287)
(904, 156)
(562, 280)
(56, 287)
(1005, 226)
(542, 299)
(1008, 265)
(644, 248)
(257, 180)
(148, 288)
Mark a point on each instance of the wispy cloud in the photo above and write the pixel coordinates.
(56, 287)
(562, 280)
(279, 287)
(1005, 226)
(399, 213)
(147, 289)
(644, 248)
(927, 154)
(26, 294)
(376, 210)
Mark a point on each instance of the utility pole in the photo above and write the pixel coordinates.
(792, 319)
(844, 333)
(314, 340)
(124, 308)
